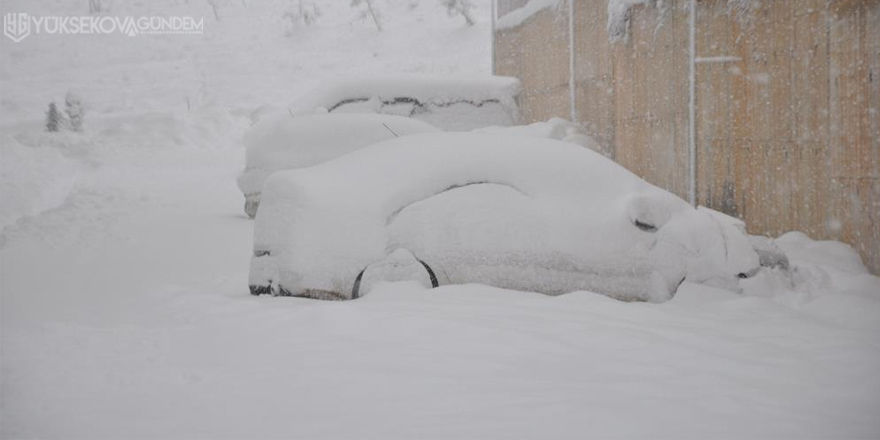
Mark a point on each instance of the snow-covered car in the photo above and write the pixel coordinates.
(515, 212)
(553, 128)
(452, 103)
(285, 142)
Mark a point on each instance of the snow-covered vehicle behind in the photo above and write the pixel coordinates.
(516, 212)
(450, 103)
(286, 142)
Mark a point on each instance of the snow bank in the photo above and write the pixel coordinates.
(518, 16)
(450, 103)
(33, 180)
(554, 128)
(824, 279)
(832, 254)
(287, 143)
(516, 212)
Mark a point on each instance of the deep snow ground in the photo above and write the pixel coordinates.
(124, 310)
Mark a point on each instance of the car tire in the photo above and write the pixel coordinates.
(356, 286)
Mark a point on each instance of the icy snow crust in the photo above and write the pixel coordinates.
(449, 102)
(286, 142)
(515, 212)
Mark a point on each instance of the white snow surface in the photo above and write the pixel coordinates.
(124, 310)
(20, 168)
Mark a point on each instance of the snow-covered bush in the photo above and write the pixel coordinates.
(54, 118)
(95, 7)
(367, 9)
(301, 13)
(516, 212)
(215, 7)
(73, 106)
(459, 7)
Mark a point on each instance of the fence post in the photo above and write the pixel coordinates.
(572, 54)
(692, 132)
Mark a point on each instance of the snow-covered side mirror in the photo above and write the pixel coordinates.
(648, 214)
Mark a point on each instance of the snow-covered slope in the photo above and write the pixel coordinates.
(124, 309)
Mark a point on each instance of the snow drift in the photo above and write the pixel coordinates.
(33, 180)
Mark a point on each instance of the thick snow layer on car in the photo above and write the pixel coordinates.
(516, 212)
(448, 102)
(295, 142)
(554, 128)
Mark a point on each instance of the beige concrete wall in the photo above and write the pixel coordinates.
(788, 136)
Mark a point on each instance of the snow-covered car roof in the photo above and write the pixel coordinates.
(512, 211)
(448, 102)
(285, 142)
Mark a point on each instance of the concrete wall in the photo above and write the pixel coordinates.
(787, 123)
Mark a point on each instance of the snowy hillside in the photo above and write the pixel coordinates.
(124, 257)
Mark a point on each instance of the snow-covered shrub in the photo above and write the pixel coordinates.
(75, 110)
(95, 7)
(459, 7)
(54, 118)
(368, 10)
(303, 12)
(215, 7)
